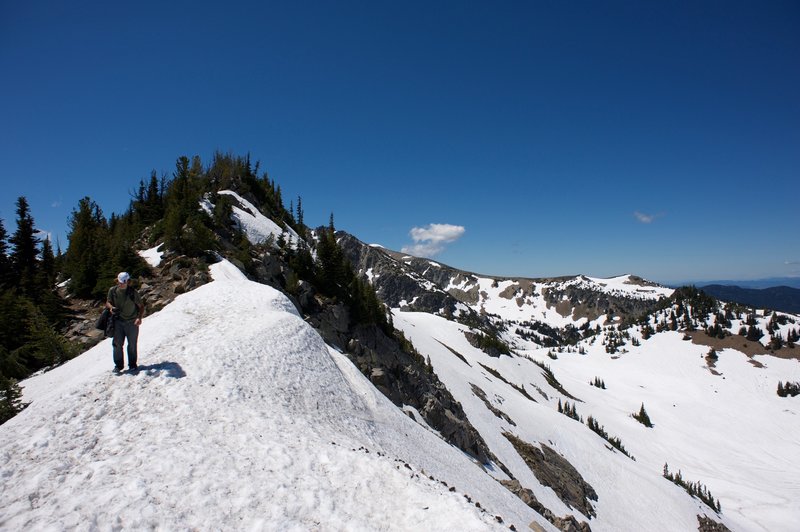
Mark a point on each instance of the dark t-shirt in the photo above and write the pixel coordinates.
(125, 301)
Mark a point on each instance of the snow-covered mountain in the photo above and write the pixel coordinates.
(716, 415)
(242, 417)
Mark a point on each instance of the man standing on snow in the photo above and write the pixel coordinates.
(126, 305)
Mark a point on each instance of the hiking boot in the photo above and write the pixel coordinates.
(133, 368)
(118, 370)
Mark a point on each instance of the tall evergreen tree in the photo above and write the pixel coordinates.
(301, 228)
(48, 265)
(5, 264)
(88, 245)
(47, 298)
(23, 257)
(185, 227)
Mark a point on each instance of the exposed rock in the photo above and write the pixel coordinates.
(177, 274)
(583, 302)
(475, 341)
(707, 524)
(400, 284)
(397, 374)
(554, 471)
(480, 394)
(568, 523)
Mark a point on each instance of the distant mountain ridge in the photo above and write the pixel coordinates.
(792, 282)
(783, 298)
(543, 306)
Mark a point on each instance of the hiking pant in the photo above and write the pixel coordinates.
(125, 329)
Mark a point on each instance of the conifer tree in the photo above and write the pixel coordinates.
(48, 265)
(88, 248)
(643, 418)
(300, 223)
(754, 333)
(10, 398)
(13, 333)
(23, 257)
(5, 264)
(47, 298)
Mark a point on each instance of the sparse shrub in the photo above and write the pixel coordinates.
(491, 343)
(695, 489)
(551, 378)
(598, 382)
(789, 389)
(569, 410)
(614, 441)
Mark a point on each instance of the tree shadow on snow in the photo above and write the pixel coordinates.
(172, 370)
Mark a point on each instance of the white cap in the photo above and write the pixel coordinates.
(123, 277)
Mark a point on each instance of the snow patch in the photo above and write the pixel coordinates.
(152, 256)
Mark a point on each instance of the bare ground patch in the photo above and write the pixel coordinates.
(740, 343)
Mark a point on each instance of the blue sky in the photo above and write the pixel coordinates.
(544, 138)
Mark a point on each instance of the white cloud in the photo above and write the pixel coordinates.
(431, 240)
(645, 218)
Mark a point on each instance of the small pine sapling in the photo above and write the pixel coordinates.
(642, 417)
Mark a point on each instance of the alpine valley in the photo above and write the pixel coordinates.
(300, 379)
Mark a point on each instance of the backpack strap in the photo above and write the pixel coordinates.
(128, 293)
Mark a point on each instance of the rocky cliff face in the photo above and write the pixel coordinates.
(399, 284)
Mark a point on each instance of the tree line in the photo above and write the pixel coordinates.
(31, 310)
(162, 209)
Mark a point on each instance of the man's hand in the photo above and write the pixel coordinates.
(138, 322)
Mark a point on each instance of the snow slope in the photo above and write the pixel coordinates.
(256, 227)
(730, 431)
(239, 418)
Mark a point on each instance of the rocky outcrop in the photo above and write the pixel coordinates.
(568, 523)
(707, 524)
(480, 394)
(583, 302)
(400, 375)
(554, 471)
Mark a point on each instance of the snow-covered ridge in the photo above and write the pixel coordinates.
(256, 227)
(239, 418)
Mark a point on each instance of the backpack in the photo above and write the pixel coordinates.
(105, 323)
